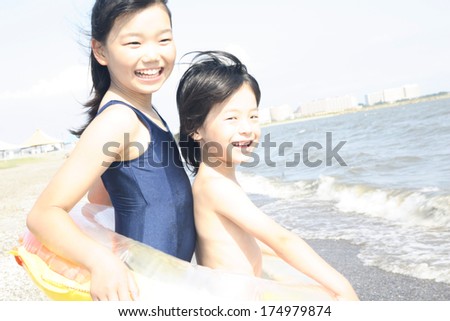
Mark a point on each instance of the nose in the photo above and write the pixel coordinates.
(151, 53)
(245, 127)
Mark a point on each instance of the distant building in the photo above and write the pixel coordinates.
(282, 112)
(391, 95)
(298, 112)
(328, 105)
(374, 98)
(411, 91)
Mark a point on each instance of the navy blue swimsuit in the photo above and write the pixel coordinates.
(152, 195)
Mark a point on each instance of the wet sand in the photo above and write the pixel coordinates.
(374, 284)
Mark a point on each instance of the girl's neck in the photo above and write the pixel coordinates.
(141, 102)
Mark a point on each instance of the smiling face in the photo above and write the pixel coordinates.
(231, 129)
(139, 51)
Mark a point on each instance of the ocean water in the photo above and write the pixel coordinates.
(386, 186)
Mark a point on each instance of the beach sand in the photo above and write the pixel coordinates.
(374, 284)
(21, 185)
(19, 188)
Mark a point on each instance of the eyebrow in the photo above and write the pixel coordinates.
(137, 34)
(239, 109)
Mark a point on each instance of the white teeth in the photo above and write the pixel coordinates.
(151, 72)
(242, 144)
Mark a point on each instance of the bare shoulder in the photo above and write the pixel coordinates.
(116, 118)
(110, 127)
(216, 187)
(223, 196)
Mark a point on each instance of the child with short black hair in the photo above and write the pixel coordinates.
(218, 107)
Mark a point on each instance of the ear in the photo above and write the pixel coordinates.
(99, 52)
(196, 136)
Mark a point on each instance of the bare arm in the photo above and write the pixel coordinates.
(98, 194)
(49, 219)
(231, 201)
(266, 249)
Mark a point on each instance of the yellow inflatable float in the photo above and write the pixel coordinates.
(159, 276)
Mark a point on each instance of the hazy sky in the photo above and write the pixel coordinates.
(299, 50)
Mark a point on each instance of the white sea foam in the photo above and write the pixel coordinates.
(410, 252)
(404, 207)
(398, 231)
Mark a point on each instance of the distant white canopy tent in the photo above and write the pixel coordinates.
(6, 146)
(41, 142)
(8, 150)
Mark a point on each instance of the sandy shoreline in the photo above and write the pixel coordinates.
(20, 186)
(374, 284)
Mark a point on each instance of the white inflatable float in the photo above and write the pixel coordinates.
(159, 276)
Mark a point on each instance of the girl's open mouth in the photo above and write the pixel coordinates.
(242, 144)
(149, 73)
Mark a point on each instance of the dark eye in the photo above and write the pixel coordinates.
(133, 43)
(165, 40)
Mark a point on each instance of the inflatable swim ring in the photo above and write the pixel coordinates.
(159, 276)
